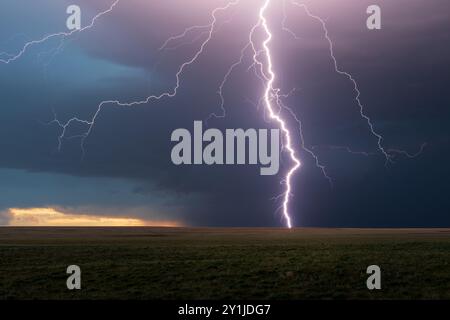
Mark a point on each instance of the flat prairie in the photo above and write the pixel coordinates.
(224, 263)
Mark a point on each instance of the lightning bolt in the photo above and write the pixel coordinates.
(408, 154)
(167, 94)
(391, 151)
(182, 35)
(204, 30)
(266, 72)
(349, 77)
(348, 150)
(303, 144)
(261, 64)
(270, 93)
(224, 81)
(13, 57)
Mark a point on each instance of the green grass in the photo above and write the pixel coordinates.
(158, 263)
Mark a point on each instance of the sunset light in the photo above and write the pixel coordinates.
(40, 217)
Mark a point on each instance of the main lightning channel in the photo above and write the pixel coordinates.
(269, 93)
(264, 69)
(267, 74)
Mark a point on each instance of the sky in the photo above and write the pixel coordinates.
(126, 175)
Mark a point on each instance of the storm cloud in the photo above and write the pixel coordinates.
(402, 71)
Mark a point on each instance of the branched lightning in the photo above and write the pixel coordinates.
(266, 72)
(303, 145)
(167, 94)
(349, 76)
(203, 28)
(204, 31)
(13, 57)
(284, 23)
(348, 150)
(393, 152)
(224, 81)
(408, 154)
(261, 62)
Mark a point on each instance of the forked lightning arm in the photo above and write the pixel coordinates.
(13, 57)
(350, 77)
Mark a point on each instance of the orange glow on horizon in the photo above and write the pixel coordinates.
(50, 217)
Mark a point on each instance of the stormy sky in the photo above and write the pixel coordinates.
(403, 71)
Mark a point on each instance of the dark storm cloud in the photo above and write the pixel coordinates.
(99, 196)
(402, 70)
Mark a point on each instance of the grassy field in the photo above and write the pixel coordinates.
(166, 263)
